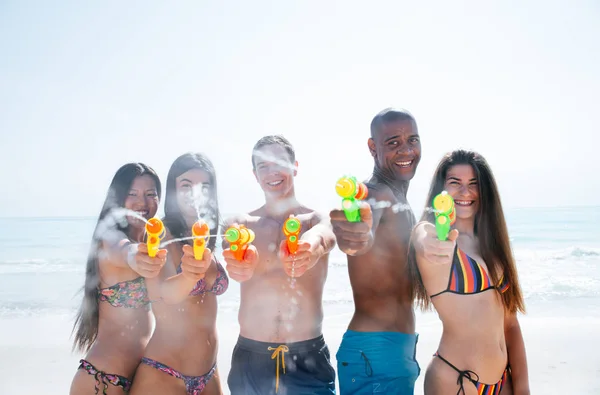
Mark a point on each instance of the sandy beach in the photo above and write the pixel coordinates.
(562, 349)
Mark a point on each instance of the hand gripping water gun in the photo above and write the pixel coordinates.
(351, 190)
(239, 237)
(155, 231)
(200, 231)
(445, 214)
(291, 230)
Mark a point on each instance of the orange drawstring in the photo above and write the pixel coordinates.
(279, 350)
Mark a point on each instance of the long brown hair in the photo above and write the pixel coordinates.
(85, 327)
(490, 230)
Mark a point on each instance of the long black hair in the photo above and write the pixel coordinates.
(173, 219)
(86, 321)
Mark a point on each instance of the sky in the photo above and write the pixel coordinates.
(86, 87)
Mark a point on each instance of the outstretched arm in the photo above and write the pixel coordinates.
(174, 288)
(243, 270)
(115, 249)
(320, 236)
(517, 358)
(315, 243)
(428, 248)
(357, 238)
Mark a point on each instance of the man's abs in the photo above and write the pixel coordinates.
(381, 298)
(381, 314)
(381, 290)
(271, 310)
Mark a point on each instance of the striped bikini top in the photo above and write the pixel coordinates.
(467, 277)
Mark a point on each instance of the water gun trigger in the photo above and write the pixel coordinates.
(351, 191)
(239, 237)
(445, 214)
(155, 231)
(200, 231)
(291, 230)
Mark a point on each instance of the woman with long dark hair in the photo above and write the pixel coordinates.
(114, 322)
(471, 280)
(182, 354)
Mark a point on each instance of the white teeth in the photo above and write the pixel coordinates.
(463, 203)
(274, 183)
(404, 164)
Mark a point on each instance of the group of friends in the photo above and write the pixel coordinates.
(147, 324)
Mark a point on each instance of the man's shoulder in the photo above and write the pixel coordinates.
(380, 195)
(241, 218)
(312, 216)
(379, 189)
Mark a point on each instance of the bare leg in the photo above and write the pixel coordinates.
(213, 387)
(440, 379)
(84, 383)
(507, 389)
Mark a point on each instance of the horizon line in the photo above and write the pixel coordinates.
(55, 217)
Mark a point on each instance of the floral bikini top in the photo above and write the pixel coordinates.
(131, 294)
(219, 286)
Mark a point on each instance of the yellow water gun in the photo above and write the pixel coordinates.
(200, 231)
(155, 231)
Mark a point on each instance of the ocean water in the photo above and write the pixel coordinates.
(42, 263)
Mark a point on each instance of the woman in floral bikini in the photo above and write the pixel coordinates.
(113, 325)
(182, 354)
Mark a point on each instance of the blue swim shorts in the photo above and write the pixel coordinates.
(299, 368)
(377, 363)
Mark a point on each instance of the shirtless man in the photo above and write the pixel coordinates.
(377, 353)
(281, 294)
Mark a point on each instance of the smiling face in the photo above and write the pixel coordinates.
(396, 148)
(462, 184)
(143, 199)
(274, 170)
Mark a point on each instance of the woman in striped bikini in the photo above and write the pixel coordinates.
(471, 280)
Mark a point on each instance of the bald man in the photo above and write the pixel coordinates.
(377, 353)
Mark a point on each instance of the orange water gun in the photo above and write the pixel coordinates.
(239, 237)
(200, 231)
(291, 230)
(155, 231)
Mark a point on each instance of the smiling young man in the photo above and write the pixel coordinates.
(281, 347)
(377, 353)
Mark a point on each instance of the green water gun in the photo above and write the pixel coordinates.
(351, 192)
(239, 237)
(445, 214)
